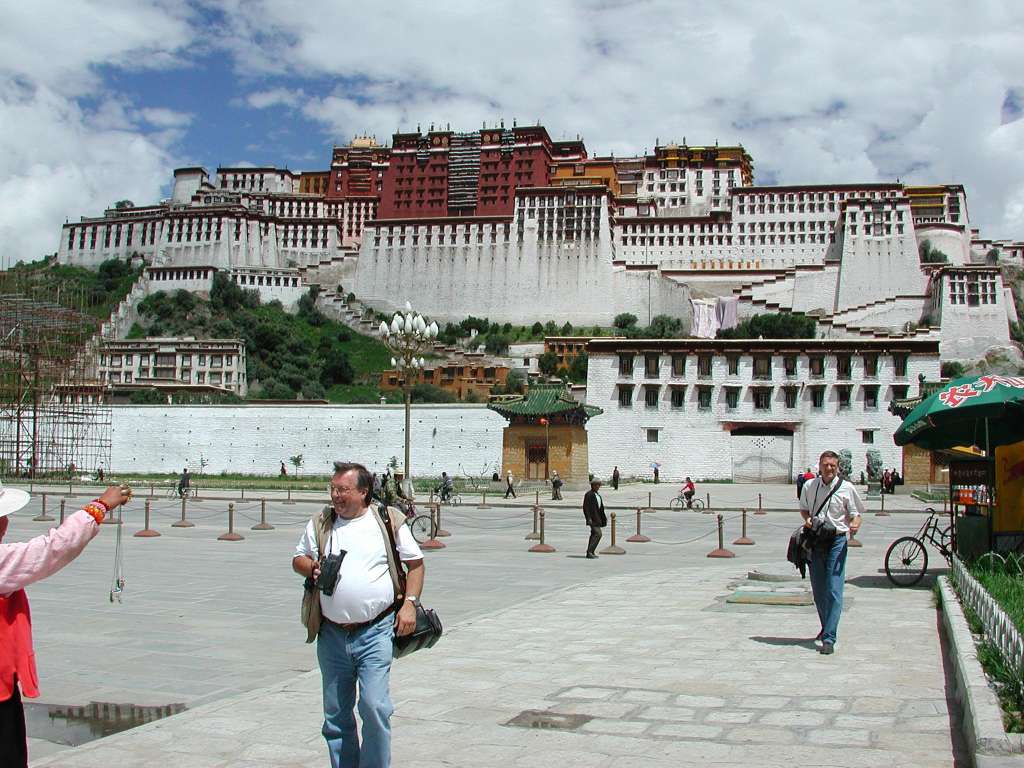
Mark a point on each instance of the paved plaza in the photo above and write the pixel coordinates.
(644, 647)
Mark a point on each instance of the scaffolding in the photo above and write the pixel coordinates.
(55, 418)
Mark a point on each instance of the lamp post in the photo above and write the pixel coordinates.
(408, 336)
(547, 448)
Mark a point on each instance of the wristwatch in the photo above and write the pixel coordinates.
(412, 599)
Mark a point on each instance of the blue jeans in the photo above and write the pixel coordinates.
(828, 572)
(345, 658)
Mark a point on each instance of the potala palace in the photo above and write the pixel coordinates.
(508, 224)
(511, 225)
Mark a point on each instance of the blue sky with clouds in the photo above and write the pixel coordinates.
(99, 101)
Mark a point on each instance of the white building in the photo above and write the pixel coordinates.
(751, 410)
(179, 361)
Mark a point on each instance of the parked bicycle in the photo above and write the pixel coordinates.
(906, 560)
(681, 502)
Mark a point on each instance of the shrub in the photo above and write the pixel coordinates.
(789, 325)
(952, 369)
(547, 363)
(624, 321)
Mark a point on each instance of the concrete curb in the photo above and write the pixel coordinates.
(990, 745)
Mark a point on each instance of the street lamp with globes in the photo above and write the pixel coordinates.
(408, 337)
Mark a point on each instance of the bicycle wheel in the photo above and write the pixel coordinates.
(676, 503)
(906, 561)
(456, 500)
(422, 528)
(697, 504)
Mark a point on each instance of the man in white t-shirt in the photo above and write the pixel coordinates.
(829, 503)
(360, 618)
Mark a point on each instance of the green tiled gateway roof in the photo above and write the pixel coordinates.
(541, 400)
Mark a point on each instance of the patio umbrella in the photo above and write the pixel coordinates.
(986, 411)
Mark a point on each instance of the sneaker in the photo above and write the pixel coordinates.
(827, 649)
(591, 556)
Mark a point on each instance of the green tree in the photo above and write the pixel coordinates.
(496, 344)
(567, 329)
(547, 363)
(664, 327)
(624, 321)
(931, 255)
(952, 369)
(428, 393)
(578, 368)
(296, 462)
(537, 330)
(788, 325)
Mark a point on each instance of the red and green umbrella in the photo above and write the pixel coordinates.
(985, 411)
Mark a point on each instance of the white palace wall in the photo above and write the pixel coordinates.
(256, 439)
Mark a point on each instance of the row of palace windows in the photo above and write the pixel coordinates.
(762, 365)
(761, 397)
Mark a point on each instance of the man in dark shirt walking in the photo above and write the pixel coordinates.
(593, 512)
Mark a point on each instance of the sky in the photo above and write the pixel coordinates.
(100, 101)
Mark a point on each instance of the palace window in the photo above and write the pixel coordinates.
(843, 394)
(762, 366)
(625, 396)
(704, 366)
(871, 365)
(791, 396)
(732, 397)
(763, 399)
(652, 435)
(817, 366)
(625, 365)
(734, 364)
(678, 365)
(817, 398)
(652, 363)
(899, 363)
(678, 397)
(843, 366)
(704, 398)
(790, 362)
(651, 397)
(871, 397)
(867, 436)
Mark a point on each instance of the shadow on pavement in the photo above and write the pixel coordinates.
(882, 581)
(804, 642)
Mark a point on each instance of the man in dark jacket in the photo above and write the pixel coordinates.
(593, 512)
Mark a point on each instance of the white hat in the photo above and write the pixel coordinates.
(11, 500)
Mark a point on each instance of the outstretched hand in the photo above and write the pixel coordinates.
(116, 495)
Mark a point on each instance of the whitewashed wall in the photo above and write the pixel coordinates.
(256, 439)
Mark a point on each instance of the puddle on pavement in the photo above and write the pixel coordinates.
(75, 725)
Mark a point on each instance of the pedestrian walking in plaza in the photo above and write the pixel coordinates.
(357, 611)
(556, 487)
(831, 508)
(615, 478)
(509, 489)
(22, 564)
(593, 513)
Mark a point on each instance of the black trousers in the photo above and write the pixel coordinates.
(510, 491)
(13, 747)
(595, 537)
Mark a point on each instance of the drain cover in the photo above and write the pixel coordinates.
(538, 718)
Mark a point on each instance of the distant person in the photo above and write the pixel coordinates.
(22, 564)
(886, 482)
(183, 483)
(615, 478)
(284, 470)
(831, 508)
(689, 490)
(377, 488)
(556, 487)
(509, 487)
(593, 513)
(446, 488)
(655, 474)
(801, 479)
(99, 473)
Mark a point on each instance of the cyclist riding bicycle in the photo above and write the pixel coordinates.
(688, 491)
(446, 488)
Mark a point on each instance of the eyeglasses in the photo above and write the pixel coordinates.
(339, 489)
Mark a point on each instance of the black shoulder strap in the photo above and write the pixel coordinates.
(835, 488)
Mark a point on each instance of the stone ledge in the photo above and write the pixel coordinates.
(990, 745)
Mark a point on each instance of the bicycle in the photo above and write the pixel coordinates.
(680, 502)
(421, 527)
(906, 560)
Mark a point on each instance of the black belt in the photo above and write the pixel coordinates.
(355, 627)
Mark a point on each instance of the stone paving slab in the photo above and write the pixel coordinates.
(670, 683)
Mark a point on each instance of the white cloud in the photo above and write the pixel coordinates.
(68, 147)
(817, 93)
(275, 97)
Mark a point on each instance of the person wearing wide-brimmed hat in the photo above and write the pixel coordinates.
(22, 564)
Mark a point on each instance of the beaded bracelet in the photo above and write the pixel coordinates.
(97, 510)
